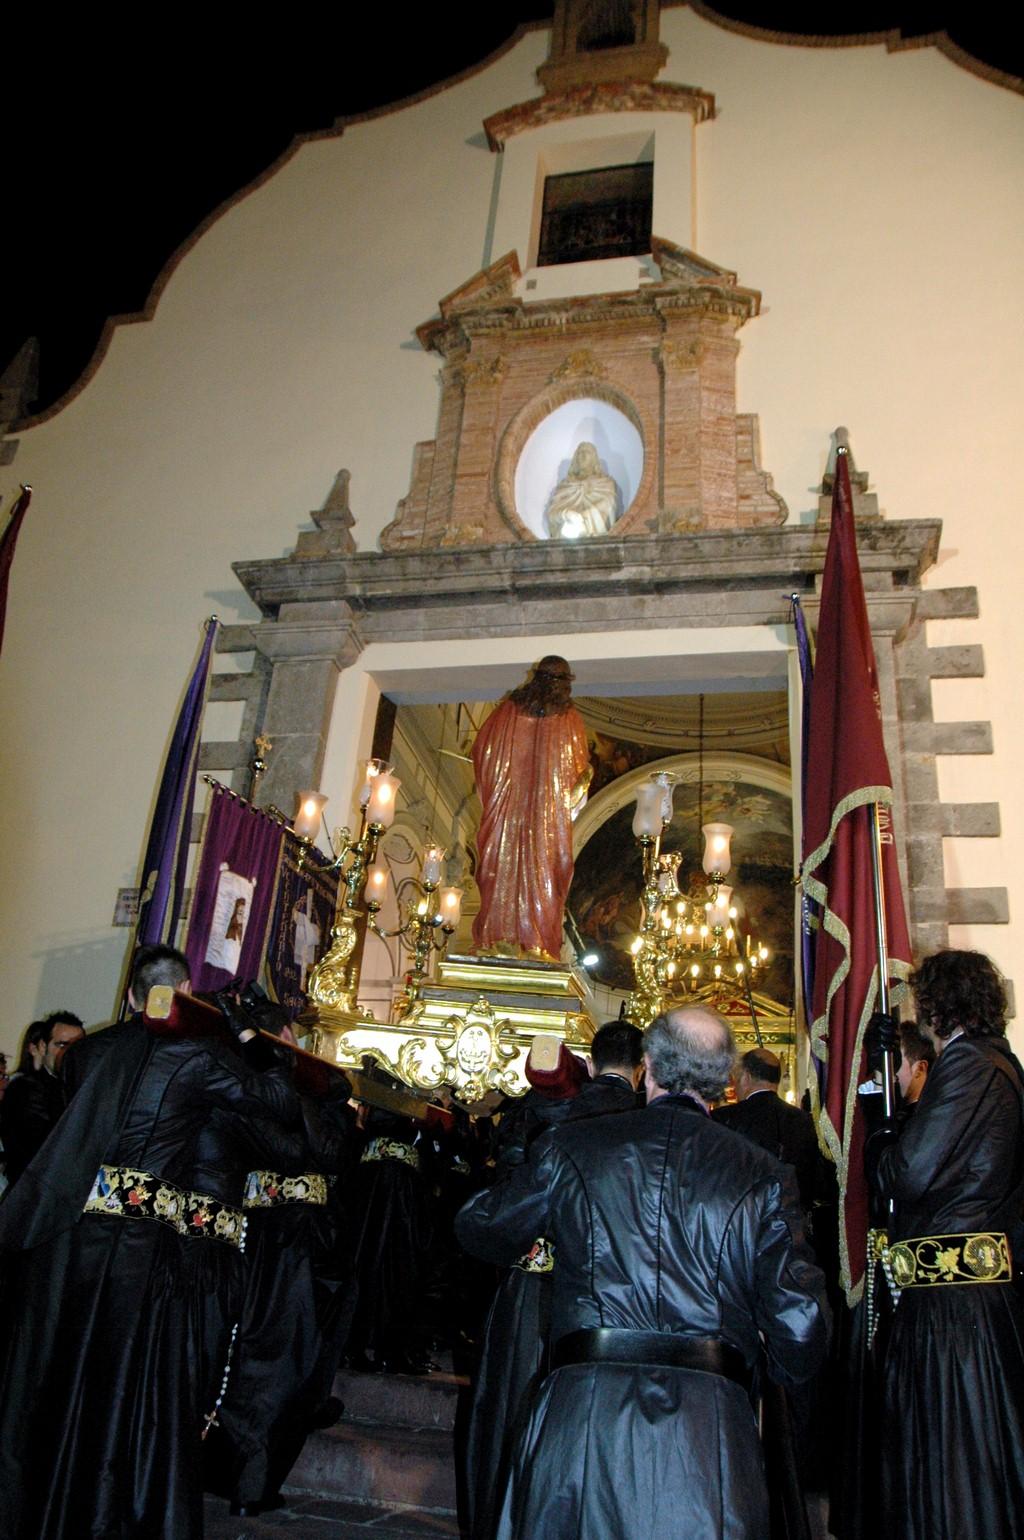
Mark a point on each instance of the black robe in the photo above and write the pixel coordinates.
(953, 1376)
(661, 1221)
(217, 1275)
(394, 1244)
(99, 1423)
(292, 1329)
(514, 1351)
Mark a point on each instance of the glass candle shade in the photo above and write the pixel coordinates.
(716, 847)
(666, 782)
(307, 819)
(431, 871)
(380, 808)
(374, 767)
(647, 819)
(450, 902)
(376, 884)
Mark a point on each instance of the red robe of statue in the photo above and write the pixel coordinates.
(527, 772)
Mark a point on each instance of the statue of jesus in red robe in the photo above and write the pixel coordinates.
(532, 771)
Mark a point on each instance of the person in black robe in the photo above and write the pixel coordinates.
(513, 1354)
(678, 1248)
(297, 1309)
(795, 1425)
(100, 1430)
(217, 1276)
(393, 1247)
(953, 1374)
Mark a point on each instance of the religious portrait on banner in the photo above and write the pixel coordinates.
(300, 927)
(231, 908)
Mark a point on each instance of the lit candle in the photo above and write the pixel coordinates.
(307, 819)
(380, 809)
(450, 900)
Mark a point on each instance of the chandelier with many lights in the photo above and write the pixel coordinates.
(686, 939)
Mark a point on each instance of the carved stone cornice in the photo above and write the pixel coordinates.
(488, 304)
(740, 573)
(324, 629)
(602, 96)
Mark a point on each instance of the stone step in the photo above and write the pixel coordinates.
(379, 1463)
(401, 1400)
(307, 1517)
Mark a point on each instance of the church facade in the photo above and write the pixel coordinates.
(580, 328)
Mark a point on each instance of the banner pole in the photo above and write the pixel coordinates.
(882, 946)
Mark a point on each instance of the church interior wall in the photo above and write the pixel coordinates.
(873, 198)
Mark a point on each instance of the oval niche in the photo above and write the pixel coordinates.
(548, 456)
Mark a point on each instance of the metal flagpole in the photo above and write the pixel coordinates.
(882, 945)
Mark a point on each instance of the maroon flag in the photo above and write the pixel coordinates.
(847, 771)
(8, 541)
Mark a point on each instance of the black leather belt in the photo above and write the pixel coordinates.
(616, 1345)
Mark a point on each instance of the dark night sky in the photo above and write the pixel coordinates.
(116, 146)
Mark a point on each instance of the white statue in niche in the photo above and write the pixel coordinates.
(586, 501)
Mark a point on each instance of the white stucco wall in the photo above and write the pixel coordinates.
(875, 200)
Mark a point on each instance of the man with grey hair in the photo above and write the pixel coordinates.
(678, 1252)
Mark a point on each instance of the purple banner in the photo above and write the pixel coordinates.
(163, 869)
(234, 892)
(300, 931)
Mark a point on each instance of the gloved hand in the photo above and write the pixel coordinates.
(234, 1013)
(266, 1013)
(881, 1037)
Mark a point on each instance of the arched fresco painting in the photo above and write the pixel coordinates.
(604, 900)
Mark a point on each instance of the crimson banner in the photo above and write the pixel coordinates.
(847, 771)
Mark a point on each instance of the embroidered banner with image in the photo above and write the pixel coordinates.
(234, 892)
(300, 931)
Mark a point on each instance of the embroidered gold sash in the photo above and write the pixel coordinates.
(266, 1189)
(125, 1193)
(392, 1149)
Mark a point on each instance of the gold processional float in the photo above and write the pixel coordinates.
(469, 1028)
